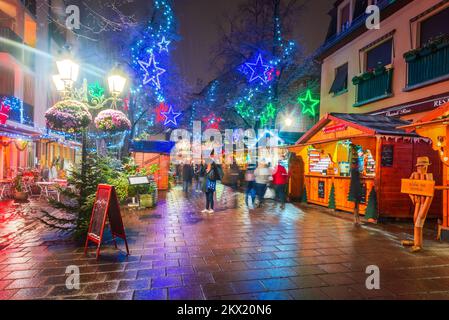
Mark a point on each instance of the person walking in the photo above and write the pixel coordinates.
(187, 176)
(280, 181)
(201, 175)
(262, 175)
(250, 180)
(210, 184)
(355, 190)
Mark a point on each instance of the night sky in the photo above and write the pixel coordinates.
(197, 26)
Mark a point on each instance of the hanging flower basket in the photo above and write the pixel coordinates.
(112, 121)
(68, 116)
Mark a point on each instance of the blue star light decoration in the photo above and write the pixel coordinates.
(163, 45)
(171, 117)
(152, 71)
(259, 70)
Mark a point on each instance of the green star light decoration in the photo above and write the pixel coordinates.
(268, 114)
(308, 103)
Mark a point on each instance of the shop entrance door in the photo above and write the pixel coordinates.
(296, 168)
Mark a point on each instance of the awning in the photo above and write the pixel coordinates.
(161, 147)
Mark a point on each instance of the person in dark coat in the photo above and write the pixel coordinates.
(187, 176)
(355, 190)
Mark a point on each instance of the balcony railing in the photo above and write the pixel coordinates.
(375, 87)
(16, 47)
(430, 65)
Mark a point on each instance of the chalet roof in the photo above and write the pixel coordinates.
(380, 124)
(370, 124)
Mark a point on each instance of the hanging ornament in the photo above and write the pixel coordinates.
(162, 107)
(212, 121)
(308, 103)
(152, 71)
(171, 117)
(259, 71)
(163, 45)
(4, 112)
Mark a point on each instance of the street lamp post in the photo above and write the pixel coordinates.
(64, 81)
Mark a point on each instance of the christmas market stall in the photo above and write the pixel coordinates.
(385, 154)
(154, 153)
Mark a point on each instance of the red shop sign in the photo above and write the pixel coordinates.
(335, 128)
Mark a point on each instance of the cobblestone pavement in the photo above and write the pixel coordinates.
(178, 253)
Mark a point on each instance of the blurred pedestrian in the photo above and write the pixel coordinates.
(187, 177)
(263, 176)
(280, 181)
(250, 180)
(355, 190)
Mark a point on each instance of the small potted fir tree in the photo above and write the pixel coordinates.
(19, 190)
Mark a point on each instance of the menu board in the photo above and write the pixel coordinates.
(99, 213)
(106, 206)
(387, 155)
(321, 189)
(134, 181)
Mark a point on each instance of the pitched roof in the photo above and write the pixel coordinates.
(370, 124)
(380, 124)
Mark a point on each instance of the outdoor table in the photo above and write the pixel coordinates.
(45, 186)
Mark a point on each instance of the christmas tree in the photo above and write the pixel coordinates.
(371, 210)
(332, 204)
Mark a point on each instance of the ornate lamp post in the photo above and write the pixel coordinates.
(75, 101)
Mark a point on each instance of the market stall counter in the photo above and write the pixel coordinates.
(385, 154)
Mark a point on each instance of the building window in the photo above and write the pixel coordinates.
(380, 56)
(434, 26)
(340, 83)
(345, 17)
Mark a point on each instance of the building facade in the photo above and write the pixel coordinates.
(399, 70)
(29, 39)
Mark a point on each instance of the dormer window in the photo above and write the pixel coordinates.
(345, 11)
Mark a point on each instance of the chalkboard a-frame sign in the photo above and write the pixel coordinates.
(106, 206)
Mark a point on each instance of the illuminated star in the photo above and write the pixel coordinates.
(152, 71)
(271, 111)
(308, 103)
(171, 116)
(259, 70)
(163, 45)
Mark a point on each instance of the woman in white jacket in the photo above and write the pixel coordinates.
(263, 175)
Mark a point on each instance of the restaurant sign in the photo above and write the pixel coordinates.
(424, 188)
(414, 107)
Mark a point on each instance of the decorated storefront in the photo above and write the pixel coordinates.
(385, 155)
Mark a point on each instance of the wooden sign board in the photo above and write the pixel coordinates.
(106, 207)
(424, 188)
